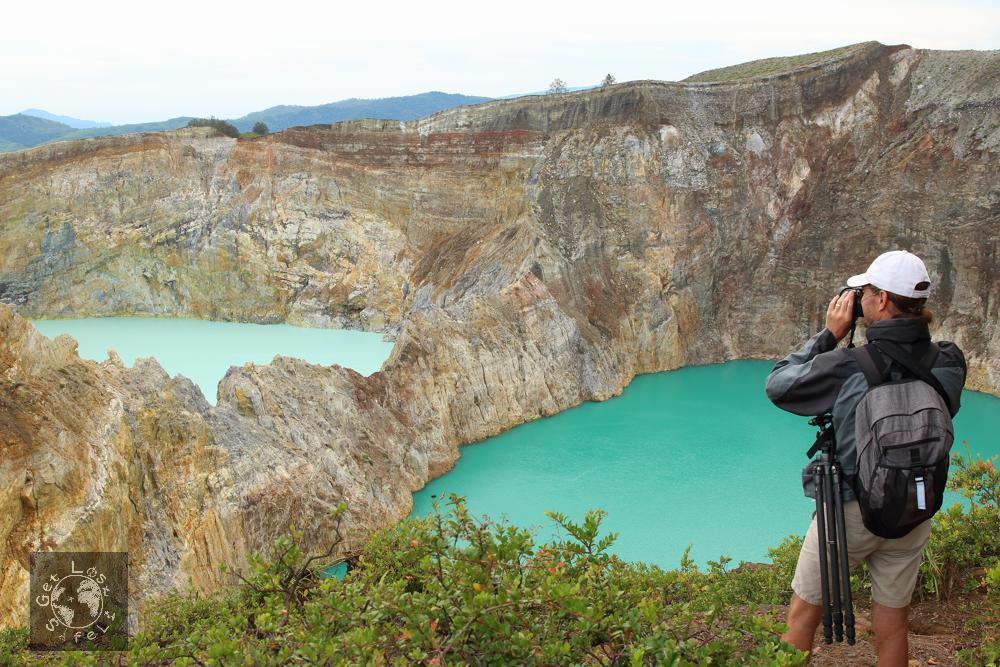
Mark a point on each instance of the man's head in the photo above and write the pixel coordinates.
(895, 285)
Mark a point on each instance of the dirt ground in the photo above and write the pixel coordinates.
(938, 631)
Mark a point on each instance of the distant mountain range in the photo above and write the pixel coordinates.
(33, 127)
(410, 107)
(65, 120)
(21, 131)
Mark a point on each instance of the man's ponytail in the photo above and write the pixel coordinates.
(908, 307)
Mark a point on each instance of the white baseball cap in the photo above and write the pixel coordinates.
(897, 271)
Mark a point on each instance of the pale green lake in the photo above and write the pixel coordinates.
(203, 351)
(694, 456)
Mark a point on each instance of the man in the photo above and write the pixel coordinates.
(822, 378)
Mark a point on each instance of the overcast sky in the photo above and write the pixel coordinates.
(121, 62)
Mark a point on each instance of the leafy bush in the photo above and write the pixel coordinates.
(12, 643)
(987, 651)
(451, 589)
(448, 589)
(757, 583)
(964, 540)
(223, 127)
(260, 128)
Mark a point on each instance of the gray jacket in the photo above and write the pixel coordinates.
(823, 378)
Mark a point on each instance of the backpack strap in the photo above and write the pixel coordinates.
(914, 366)
(930, 356)
(871, 364)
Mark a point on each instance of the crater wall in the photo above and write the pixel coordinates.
(527, 255)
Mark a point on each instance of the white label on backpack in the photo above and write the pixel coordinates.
(921, 498)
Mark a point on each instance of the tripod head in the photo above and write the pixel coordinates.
(824, 437)
(823, 421)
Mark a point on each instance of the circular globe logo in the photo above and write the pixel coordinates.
(77, 601)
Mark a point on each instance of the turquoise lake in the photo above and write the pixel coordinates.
(203, 351)
(695, 456)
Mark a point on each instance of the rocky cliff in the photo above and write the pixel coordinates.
(527, 254)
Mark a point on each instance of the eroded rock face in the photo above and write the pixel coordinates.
(527, 254)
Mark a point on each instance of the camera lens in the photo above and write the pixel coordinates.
(858, 291)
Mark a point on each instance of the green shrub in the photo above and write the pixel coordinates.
(963, 539)
(987, 650)
(12, 643)
(756, 583)
(451, 589)
(223, 127)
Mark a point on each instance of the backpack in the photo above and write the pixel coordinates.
(904, 438)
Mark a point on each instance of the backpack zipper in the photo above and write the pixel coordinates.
(910, 444)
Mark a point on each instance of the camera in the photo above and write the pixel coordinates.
(858, 291)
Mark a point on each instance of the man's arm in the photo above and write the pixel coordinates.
(808, 382)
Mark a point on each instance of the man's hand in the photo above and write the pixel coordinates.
(838, 314)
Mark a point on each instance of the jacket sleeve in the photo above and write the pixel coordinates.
(950, 371)
(807, 382)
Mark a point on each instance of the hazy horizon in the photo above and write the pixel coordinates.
(112, 63)
(28, 111)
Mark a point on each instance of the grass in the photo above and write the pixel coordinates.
(768, 66)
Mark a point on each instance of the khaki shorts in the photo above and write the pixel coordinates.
(893, 563)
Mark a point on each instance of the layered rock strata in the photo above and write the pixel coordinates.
(527, 254)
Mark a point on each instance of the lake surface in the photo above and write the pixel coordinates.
(694, 456)
(203, 351)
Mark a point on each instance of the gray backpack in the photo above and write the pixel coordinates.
(904, 438)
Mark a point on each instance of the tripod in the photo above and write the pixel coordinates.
(835, 574)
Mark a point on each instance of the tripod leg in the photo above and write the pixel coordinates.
(831, 538)
(824, 576)
(845, 564)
